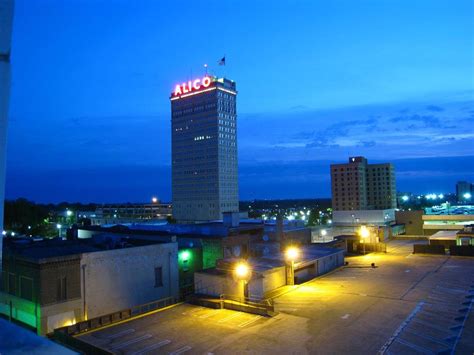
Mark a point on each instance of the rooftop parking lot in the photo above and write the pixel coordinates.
(407, 304)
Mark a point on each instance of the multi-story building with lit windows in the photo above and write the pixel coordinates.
(204, 149)
(358, 185)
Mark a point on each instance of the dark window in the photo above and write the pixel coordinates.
(26, 288)
(11, 284)
(158, 276)
(61, 289)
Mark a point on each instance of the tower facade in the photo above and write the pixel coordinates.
(204, 149)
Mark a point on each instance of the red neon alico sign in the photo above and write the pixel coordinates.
(192, 85)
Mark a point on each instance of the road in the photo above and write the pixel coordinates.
(406, 304)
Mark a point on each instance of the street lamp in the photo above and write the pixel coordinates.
(242, 273)
(364, 233)
(154, 199)
(292, 254)
(58, 226)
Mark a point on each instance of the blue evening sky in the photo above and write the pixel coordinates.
(392, 80)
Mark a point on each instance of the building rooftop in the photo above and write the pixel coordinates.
(52, 248)
(307, 254)
(215, 229)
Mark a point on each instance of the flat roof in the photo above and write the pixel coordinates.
(53, 248)
(444, 235)
(308, 254)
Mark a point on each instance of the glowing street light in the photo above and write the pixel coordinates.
(323, 232)
(364, 234)
(68, 213)
(467, 196)
(242, 273)
(291, 254)
(154, 199)
(242, 270)
(405, 198)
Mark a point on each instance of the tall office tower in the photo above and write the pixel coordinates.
(204, 149)
(358, 185)
(6, 20)
(464, 191)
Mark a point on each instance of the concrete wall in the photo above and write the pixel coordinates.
(6, 22)
(330, 262)
(216, 284)
(268, 281)
(122, 278)
(412, 220)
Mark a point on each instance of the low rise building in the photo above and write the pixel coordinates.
(267, 273)
(53, 283)
(129, 213)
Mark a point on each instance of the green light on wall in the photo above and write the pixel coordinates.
(184, 255)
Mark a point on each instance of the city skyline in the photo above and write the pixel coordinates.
(408, 100)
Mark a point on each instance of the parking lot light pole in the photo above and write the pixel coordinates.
(291, 255)
(242, 273)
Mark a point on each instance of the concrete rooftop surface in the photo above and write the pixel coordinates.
(408, 304)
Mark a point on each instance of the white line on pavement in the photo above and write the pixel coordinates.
(181, 350)
(131, 341)
(153, 347)
(253, 320)
(232, 316)
(209, 314)
(119, 334)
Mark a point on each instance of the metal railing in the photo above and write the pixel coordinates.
(107, 319)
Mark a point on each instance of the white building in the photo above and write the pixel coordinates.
(51, 284)
(6, 22)
(204, 149)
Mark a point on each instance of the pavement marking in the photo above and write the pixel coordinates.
(460, 330)
(152, 347)
(209, 314)
(285, 309)
(131, 341)
(199, 308)
(345, 316)
(232, 316)
(181, 350)
(253, 320)
(119, 334)
(402, 326)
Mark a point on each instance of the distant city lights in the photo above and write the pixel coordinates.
(405, 198)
